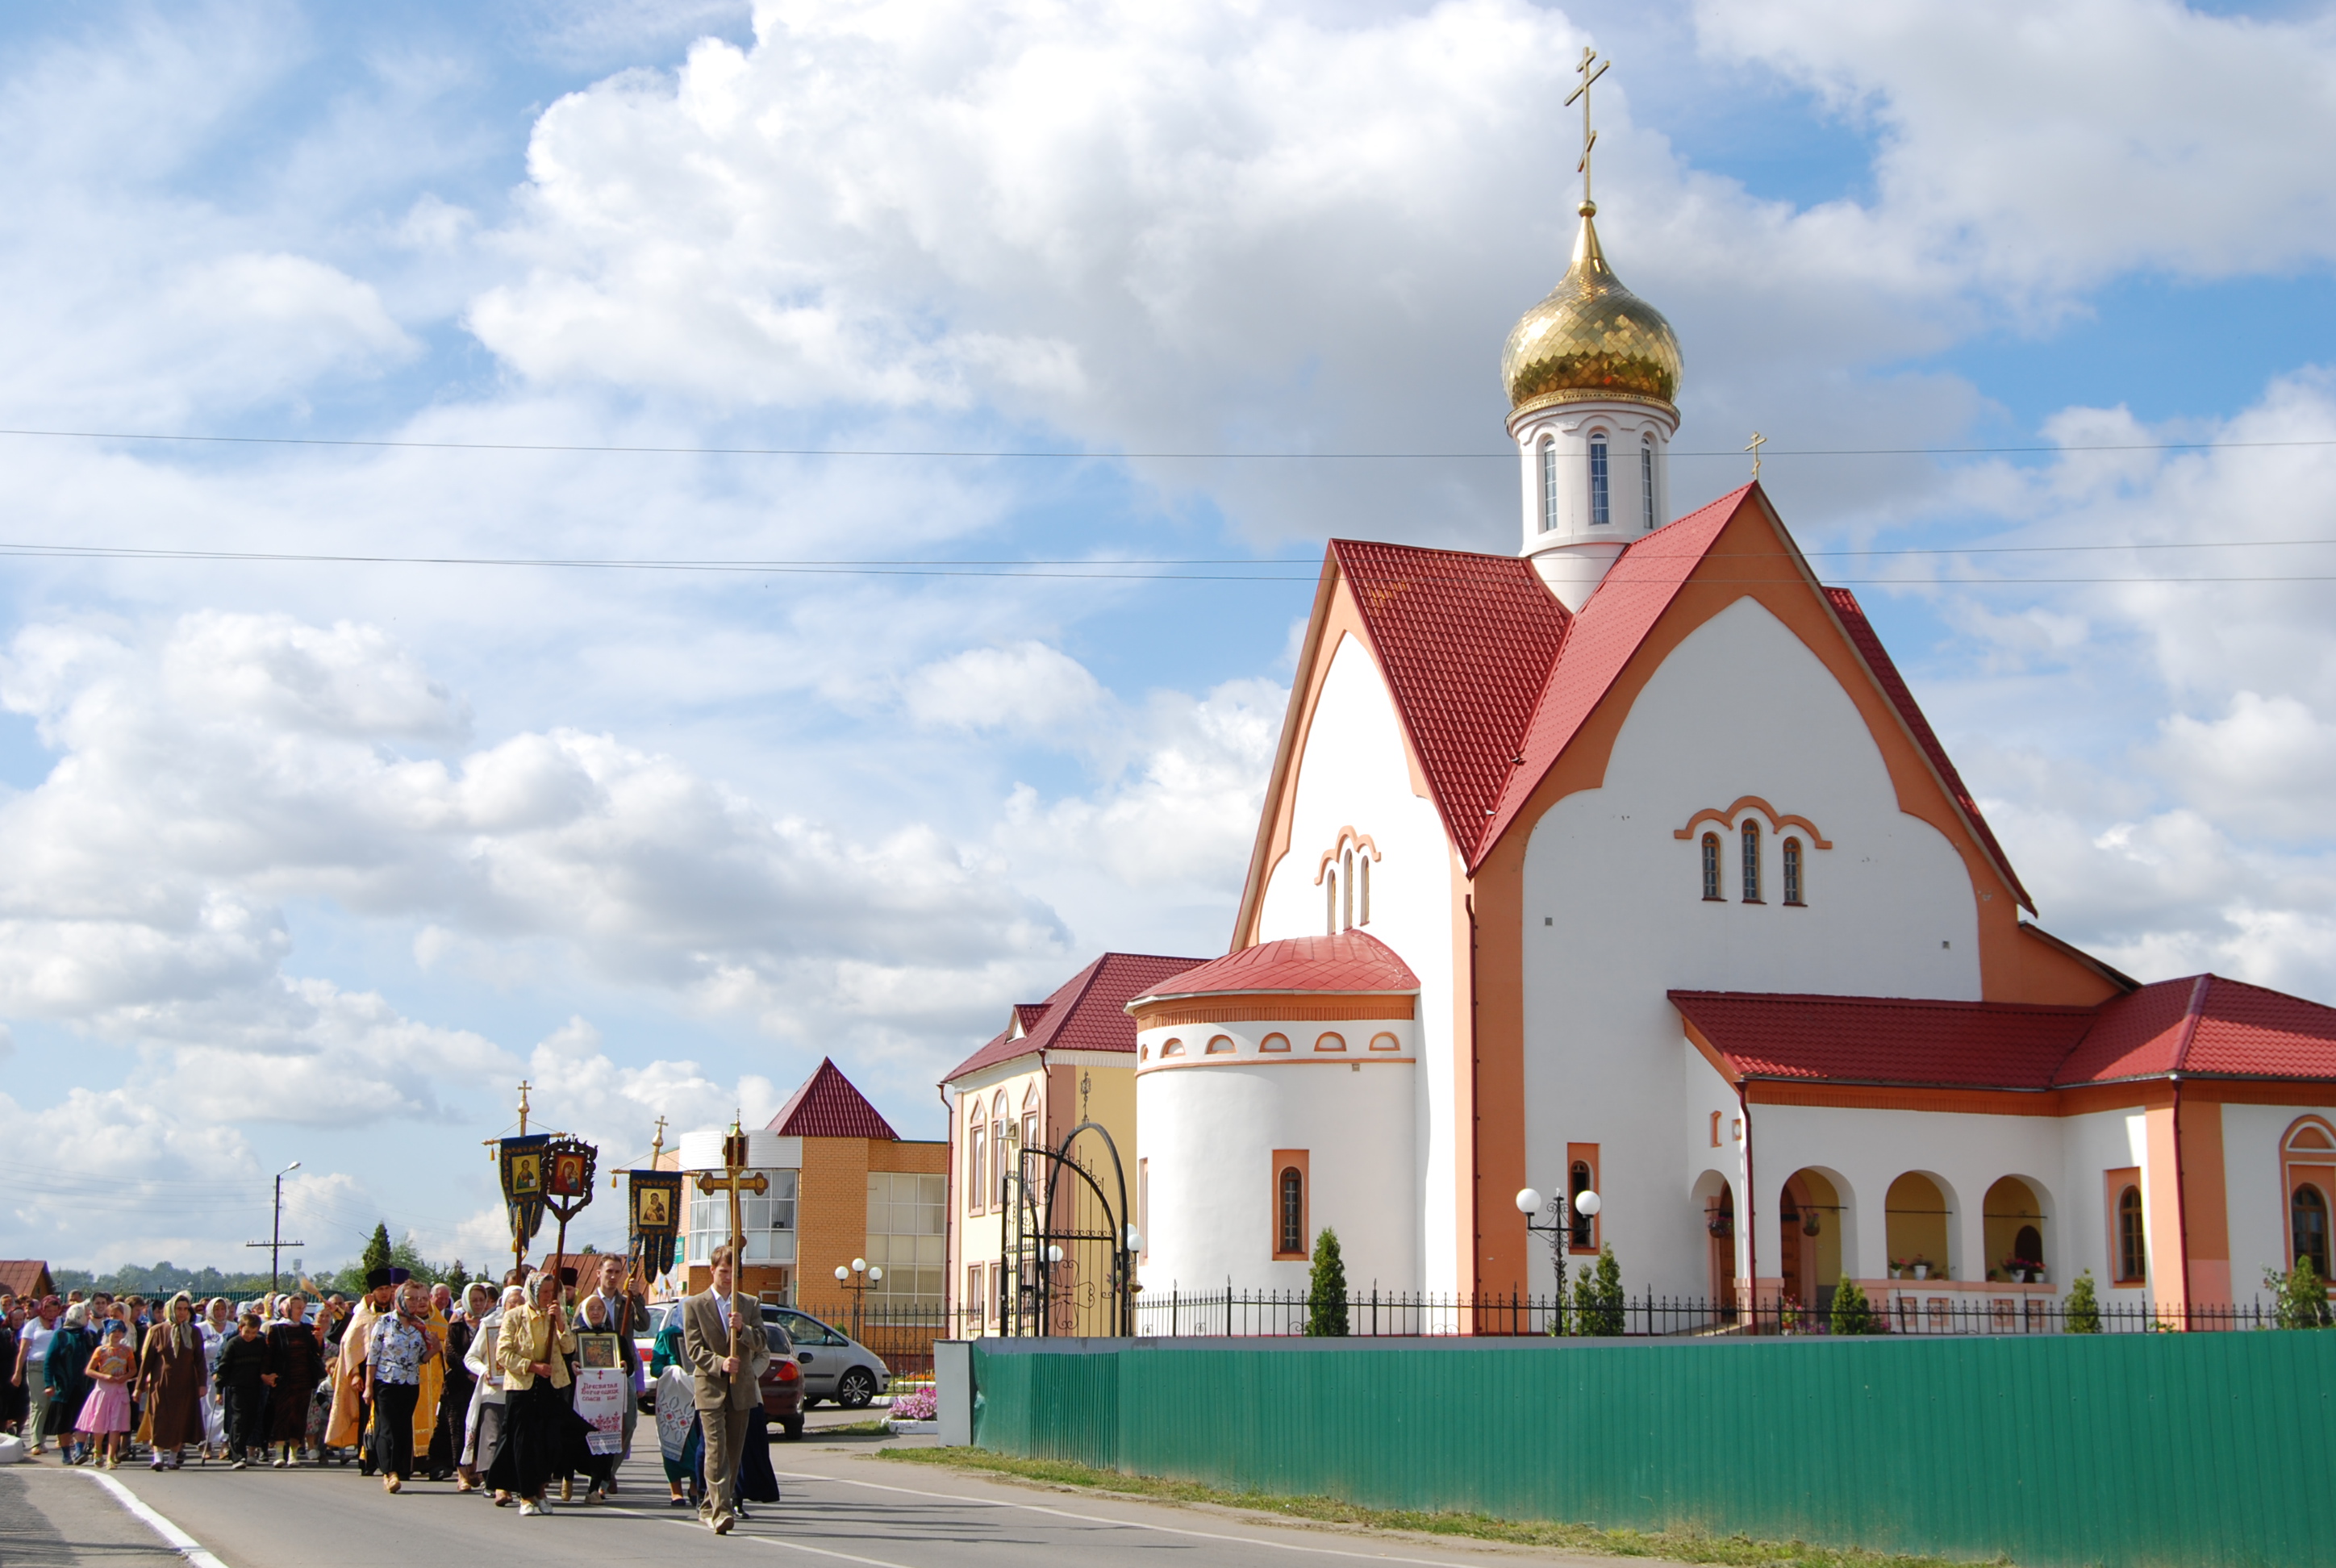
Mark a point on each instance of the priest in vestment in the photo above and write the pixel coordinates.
(433, 1384)
(347, 1425)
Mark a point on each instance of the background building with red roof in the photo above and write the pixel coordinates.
(1691, 908)
(842, 1186)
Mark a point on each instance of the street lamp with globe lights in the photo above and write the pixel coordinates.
(1552, 1218)
(856, 1278)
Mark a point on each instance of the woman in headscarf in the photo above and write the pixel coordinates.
(170, 1376)
(455, 1401)
(218, 1326)
(67, 1372)
(545, 1436)
(680, 1440)
(296, 1365)
(484, 1438)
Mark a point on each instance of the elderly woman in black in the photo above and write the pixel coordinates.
(542, 1436)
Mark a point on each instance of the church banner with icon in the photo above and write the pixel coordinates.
(525, 1171)
(655, 1221)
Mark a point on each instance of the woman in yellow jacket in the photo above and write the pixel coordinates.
(532, 1348)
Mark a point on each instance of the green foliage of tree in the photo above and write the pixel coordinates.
(2081, 1313)
(376, 1249)
(407, 1255)
(1852, 1312)
(1598, 1296)
(162, 1279)
(2300, 1296)
(456, 1278)
(1325, 1289)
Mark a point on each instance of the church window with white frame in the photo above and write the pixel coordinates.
(1551, 502)
(1602, 507)
(1792, 861)
(1751, 873)
(1647, 482)
(1711, 868)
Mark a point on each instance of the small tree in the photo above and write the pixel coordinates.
(457, 1277)
(2300, 1296)
(1598, 1296)
(1852, 1312)
(2081, 1314)
(1325, 1291)
(376, 1249)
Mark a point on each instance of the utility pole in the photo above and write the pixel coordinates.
(276, 1243)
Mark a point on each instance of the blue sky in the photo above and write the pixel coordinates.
(315, 860)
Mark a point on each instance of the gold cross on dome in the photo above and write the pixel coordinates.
(1754, 446)
(1589, 131)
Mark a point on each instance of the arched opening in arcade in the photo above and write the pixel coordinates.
(1809, 1222)
(2014, 1223)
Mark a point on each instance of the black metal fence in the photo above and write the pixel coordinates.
(901, 1332)
(1390, 1314)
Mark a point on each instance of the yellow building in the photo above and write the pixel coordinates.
(1058, 1064)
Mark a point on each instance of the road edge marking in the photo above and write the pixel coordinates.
(178, 1540)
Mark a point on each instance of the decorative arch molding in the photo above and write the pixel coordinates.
(1778, 820)
(1347, 839)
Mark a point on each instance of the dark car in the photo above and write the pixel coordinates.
(783, 1380)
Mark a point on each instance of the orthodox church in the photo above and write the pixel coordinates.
(1629, 864)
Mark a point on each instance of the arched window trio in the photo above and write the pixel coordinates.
(1346, 878)
(1751, 858)
(1600, 483)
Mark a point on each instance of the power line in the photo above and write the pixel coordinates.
(1076, 455)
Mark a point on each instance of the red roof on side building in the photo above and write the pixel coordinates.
(1086, 1012)
(829, 1106)
(2203, 1026)
(1352, 961)
(26, 1277)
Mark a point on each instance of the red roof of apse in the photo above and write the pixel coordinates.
(1085, 1014)
(2207, 1026)
(828, 1106)
(1351, 960)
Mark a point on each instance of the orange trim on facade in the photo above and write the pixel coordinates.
(1347, 835)
(1585, 1155)
(1271, 1007)
(2114, 1182)
(2162, 1199)
(2205, 1203)
(1778, 820)
(1327, 1059)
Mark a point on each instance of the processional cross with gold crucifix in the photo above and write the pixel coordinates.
(734, 1180)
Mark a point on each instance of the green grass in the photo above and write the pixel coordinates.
(1684, 1546)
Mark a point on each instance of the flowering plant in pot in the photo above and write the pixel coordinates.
(1920, 1265)
(1898, 1267)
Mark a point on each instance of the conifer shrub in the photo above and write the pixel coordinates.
(1597, 1297)
(2081, 1313)
(1325, 1289)
(1852, 1312)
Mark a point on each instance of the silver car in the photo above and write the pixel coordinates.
(835, 1365)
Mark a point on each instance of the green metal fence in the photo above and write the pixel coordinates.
(2206, 1450)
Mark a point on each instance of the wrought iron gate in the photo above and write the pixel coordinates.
(1064, 1237)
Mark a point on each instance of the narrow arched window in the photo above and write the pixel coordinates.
(1577, 1182)
(1751, 862)
(1711, 866)
(1346, 915)
(1330, 904)
(1647, 481)
(1602, 509)
(1792, 871)
(2308, 1210)
(1551, 500)
(1364, 870)
(1292, 1227)
(2132, 1253)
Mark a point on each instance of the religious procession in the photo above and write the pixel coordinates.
(525, 1392)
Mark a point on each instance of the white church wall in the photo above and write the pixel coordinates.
(2094, 1145)
(1715, 1148)
(2253, 1189)
(1355, 771)
(1614, 917)
(1209, 1128)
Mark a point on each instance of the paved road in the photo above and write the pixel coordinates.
(842, 1506)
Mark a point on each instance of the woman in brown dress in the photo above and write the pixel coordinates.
(170, 1376)
(296, 1365)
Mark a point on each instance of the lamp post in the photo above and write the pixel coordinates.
(276, 1243)
(856, 1279)
(1552, 1218)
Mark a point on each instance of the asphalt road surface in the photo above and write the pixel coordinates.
(842, 1504)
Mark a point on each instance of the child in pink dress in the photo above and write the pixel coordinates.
(105, 1413)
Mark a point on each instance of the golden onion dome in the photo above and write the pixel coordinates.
(1591, 337)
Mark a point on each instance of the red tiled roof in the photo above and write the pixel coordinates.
(2207, 1026)
(1893, 685)
(1886, 1040)
(1349, 961)
(1636, 590)
(2203, 1026)
(1467, 642)
(828, 1106)
(1028, 1014)
(1086, 1014)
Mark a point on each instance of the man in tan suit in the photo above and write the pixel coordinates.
(727, 1385)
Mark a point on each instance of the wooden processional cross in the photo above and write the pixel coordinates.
(733, 1181)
